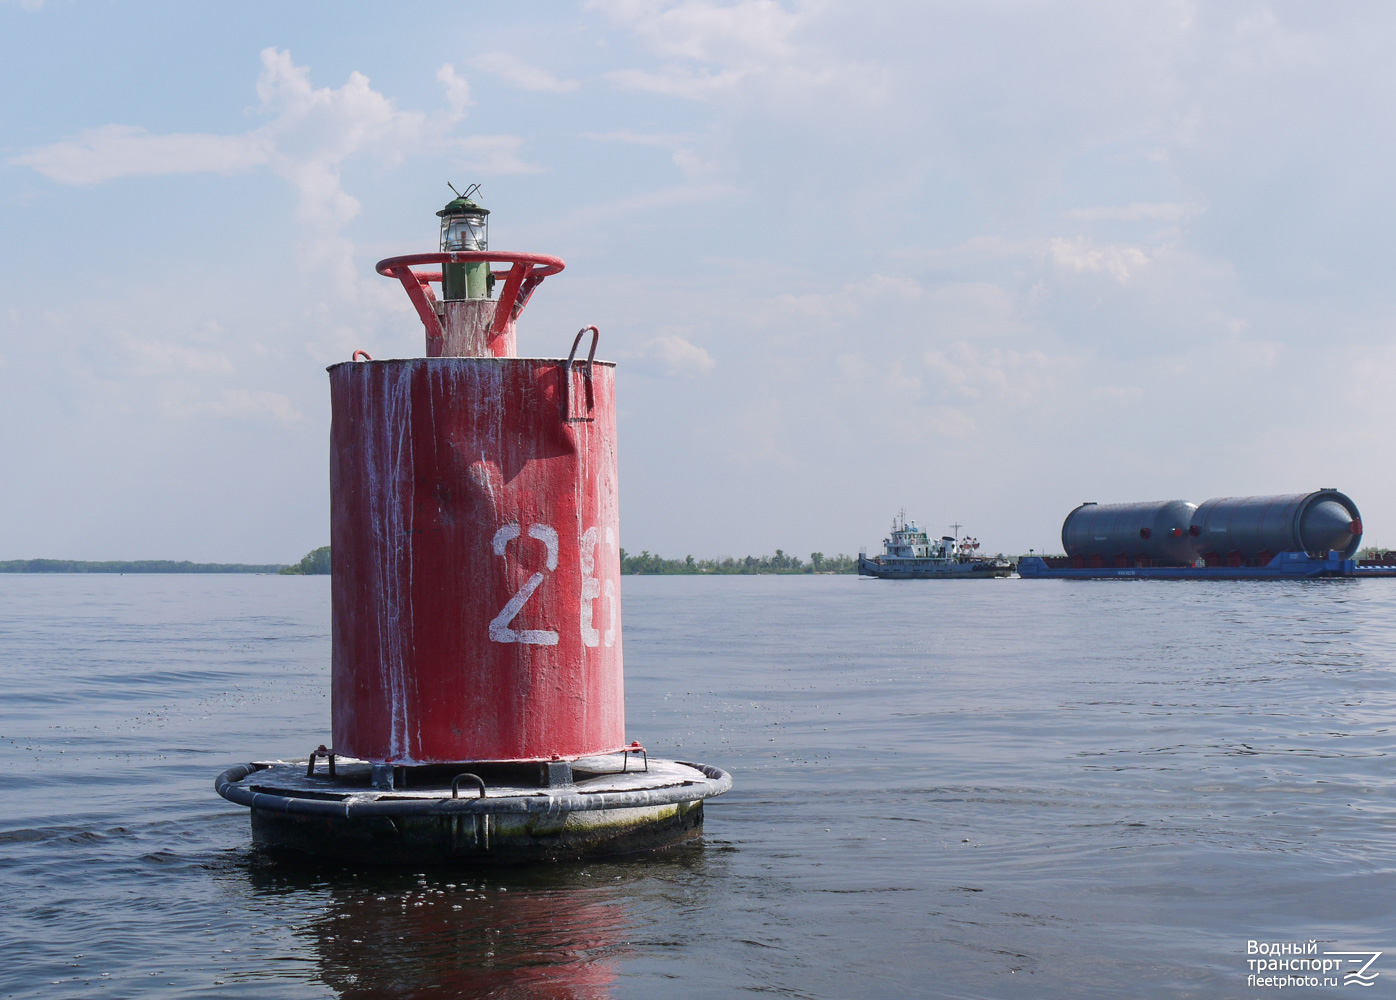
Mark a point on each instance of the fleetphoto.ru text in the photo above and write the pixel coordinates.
(1279, 964)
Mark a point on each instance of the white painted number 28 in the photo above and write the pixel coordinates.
(592, 589)
(499, 628)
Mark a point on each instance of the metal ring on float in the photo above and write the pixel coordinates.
(455, 784)
(228, 784)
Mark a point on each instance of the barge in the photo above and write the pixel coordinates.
(1294, 536)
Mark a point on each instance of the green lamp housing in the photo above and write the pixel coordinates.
(465, 226)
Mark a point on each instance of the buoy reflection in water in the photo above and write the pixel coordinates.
(444, 933)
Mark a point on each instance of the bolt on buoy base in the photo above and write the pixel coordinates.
(478, 813)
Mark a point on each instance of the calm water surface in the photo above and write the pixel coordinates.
(982, 789)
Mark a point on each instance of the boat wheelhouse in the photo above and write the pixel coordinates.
(910, 553)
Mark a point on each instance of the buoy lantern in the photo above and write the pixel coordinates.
(477, 702)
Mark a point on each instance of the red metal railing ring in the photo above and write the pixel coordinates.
(526, 271)
(543, 264)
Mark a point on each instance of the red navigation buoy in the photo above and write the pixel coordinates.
(476, 598)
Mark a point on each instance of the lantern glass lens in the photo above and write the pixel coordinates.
(463, 232)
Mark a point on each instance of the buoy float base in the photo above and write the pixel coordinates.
(585, 809)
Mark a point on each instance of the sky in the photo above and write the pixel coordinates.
(978, 261)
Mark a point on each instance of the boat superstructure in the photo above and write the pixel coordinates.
(910, 553)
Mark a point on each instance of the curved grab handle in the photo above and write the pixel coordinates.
(364, 354)
(576, 342)
(565, 395)
(473, 778)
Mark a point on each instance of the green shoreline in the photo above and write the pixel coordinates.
(317, 563)
(132, 566)
(647, 564)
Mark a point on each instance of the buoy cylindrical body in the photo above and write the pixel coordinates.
(476, 572)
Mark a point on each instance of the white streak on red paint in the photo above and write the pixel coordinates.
(441, 456)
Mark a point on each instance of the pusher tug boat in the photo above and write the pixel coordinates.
(910, 554)
(477, 703)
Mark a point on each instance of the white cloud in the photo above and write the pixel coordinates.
(1118, 394)
(112, 151)
(973, 309)
(491, 154)
(888, 376)
(951, 422)
(996, 373)
(1081, 256)
(681, 148)
(154, 358)
(822, 309)
(973, 252)
(834, 308)
(891, 395)
(251, 404)
(893, 286)
(514, 71)
(692, 86)
(664, 140)
(675, 355)
(457, 90)
(711, 49)
(856, 368)
(312, 132)
(1166, 211)
(639, 204)
(752, 30)
(1246, 356)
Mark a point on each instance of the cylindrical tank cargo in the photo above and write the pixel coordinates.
(476, 573)
(1156, 530)
(1262, 527)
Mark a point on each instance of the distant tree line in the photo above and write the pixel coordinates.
(647, 563)
(132, 566)
(316, 562)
